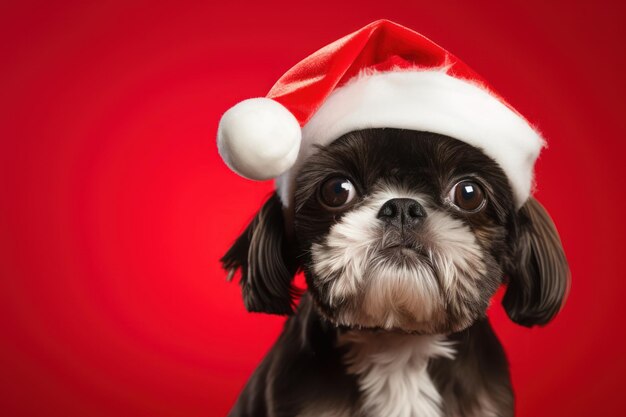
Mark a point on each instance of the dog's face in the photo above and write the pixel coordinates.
(403, 230)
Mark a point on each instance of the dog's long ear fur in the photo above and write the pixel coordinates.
(261, 255)
(539, 276)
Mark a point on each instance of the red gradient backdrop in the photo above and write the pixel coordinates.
(115, 207)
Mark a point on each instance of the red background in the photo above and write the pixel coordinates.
(114, 205)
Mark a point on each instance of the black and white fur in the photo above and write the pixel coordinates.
(393, 323)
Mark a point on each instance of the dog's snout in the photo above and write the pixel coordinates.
(402, 212)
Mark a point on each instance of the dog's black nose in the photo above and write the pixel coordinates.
(402, 212)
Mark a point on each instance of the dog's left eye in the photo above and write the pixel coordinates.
(337, 192)
(468, 196)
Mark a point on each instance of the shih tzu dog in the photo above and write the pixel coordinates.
(405, 212)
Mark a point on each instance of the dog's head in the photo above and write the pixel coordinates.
(403, 230)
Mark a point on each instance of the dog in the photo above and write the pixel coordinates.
(404, 195)
(403, 237)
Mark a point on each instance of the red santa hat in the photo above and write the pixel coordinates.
(383, 75)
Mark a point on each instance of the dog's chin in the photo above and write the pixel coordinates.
(401, 327)
(400, 292)
(406, 327)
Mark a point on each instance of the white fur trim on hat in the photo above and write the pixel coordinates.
(431, 101)
(259, 138)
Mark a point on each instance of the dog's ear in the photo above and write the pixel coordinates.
(539, 276)
(262, 257)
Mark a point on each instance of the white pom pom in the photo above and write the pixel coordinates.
(259, 138)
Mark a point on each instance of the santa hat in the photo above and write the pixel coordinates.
(383, 75)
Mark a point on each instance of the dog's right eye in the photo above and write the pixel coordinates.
(336, 192)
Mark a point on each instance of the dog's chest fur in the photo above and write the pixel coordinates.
(392, 372)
